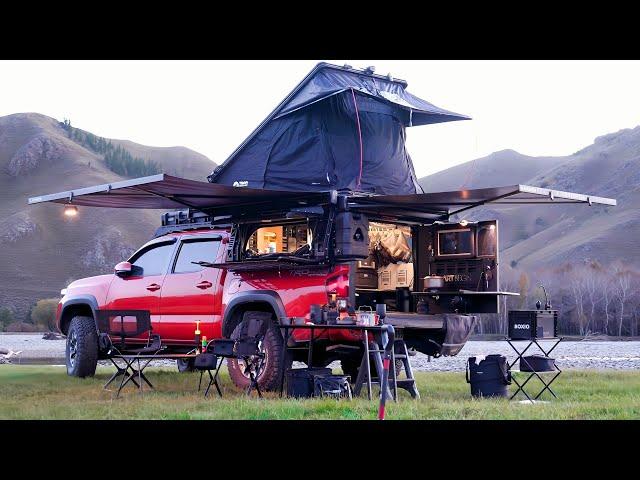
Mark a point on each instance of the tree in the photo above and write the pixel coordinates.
(523, 289)
(608, 289)
(6, 317)
(43, 313)
(622, 285)
(593, 272)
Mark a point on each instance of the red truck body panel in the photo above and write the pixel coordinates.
(177, 300)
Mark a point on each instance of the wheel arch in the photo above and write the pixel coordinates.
(264, 300)
(85, 305)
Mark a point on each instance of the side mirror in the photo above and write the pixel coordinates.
(123, 269)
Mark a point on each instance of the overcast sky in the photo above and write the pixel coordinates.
(534, 107)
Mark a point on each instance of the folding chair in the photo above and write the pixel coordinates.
(212, 359)
(127, 324)
(248, 346)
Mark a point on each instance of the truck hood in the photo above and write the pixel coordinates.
(90, 282)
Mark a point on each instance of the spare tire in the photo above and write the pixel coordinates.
(81, 351)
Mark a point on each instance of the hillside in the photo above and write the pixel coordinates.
(499, 168)
(43, 250)
(539, 238)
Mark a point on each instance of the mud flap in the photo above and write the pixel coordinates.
(459, 329)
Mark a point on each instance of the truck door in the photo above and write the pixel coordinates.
(141, 290)
(192, 293)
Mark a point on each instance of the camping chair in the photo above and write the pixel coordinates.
(244, 345)
(124, 324)
(212, 359)
(247, 347)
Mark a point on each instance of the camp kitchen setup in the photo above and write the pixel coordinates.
(328, 178)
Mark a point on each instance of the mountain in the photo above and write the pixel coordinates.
(499, 168)
(178, 161)
(538, 238)
(42, 251)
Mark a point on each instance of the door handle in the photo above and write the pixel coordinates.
(153, 287)
(204, 284)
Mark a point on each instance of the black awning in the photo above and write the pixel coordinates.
(167, 192)
(438, 205)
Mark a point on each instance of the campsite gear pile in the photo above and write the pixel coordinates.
(333, 386)
(317, 382)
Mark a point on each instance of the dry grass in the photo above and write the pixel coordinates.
(43, 392)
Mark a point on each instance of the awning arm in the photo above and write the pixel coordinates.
(103, 188)
(538, 195)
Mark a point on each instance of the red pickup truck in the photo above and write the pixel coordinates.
(216, 274)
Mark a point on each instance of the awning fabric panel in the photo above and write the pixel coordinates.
(167, 192)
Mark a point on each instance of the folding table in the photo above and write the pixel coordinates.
(520, 356)
(136, 375)
(379, 334)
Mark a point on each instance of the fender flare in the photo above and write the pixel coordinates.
(84, 299)
(265, 296)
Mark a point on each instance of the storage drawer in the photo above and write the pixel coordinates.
(366, 279)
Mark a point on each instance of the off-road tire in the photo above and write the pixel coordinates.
(269, 377)
(185, 366)
(81, 352)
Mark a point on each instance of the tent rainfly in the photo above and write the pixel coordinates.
(340, 128)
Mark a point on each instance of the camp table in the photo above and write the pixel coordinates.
(379, 333)
(129, 373)
(533, 372)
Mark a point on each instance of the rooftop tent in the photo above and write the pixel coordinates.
(340, 128)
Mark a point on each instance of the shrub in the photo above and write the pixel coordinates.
(20, 327)
(43, 314)
(6, 317)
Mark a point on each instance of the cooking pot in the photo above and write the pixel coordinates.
(431, 282)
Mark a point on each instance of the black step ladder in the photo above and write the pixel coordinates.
(374, 352)
(401, 352)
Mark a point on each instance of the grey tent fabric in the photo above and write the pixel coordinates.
(341, 128)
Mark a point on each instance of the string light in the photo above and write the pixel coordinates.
(70, 210)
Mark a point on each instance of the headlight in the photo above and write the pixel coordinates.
(63, 292)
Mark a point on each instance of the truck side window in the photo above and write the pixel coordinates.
(194, 252)
(154, 261)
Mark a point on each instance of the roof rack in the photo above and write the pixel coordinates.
(189, 219)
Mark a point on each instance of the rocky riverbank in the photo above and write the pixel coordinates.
(617, 355)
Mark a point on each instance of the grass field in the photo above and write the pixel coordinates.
(46, 392)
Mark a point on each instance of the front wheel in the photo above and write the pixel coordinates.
(269, 375)
(82, 347)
